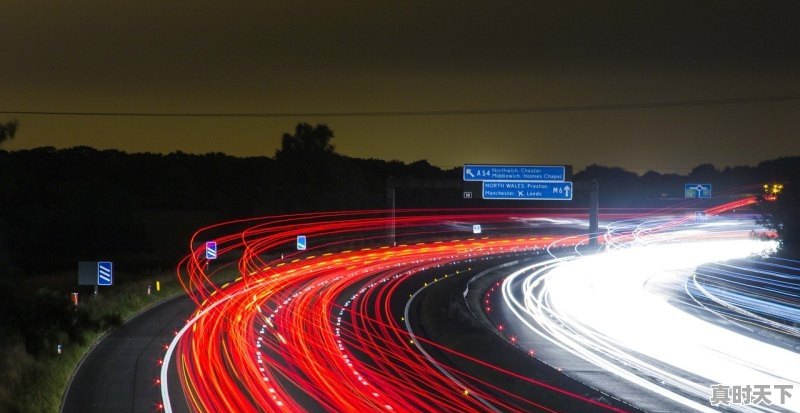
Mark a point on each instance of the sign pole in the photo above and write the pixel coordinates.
(394, 226)
(390, 198)
(594, 212)
(302, 243)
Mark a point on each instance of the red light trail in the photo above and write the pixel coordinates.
(321, 329)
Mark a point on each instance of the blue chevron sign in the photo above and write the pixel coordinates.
(105, 273)
(211, 250)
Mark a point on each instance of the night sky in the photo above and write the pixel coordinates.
(192, 56)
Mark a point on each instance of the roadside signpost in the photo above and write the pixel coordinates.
(95, 273)
(211, 250)
(528, 190)
(105, 273)
(533, 183)
(87, 273)
(301, 242)
(514, 173)
(521, 182)
(697, 191)
(476, 229)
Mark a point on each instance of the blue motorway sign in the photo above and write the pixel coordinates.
(301, 242)
(105, 273)
(527, 190)
(514, 173)
(211, 250)
(697, 190)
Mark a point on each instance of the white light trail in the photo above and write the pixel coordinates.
(613, 309)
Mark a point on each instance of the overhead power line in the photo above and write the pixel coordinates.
(448, 112)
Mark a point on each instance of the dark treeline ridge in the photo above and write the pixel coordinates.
(60, 206)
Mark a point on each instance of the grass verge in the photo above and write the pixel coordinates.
(37, 382)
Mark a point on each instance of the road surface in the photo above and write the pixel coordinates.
(120, 373)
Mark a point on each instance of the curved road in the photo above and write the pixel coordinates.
(119, 375)
(328, 325)
(614, 318)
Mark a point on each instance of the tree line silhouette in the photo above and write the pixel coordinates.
(65, 205)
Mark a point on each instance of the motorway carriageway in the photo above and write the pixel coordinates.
(296, 333)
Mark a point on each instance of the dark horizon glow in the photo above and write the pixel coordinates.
(322, 59)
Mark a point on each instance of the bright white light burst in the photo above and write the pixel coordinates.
(613, 310)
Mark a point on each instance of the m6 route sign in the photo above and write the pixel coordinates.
(528, 190)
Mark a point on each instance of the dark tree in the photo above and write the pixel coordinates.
(783, 217)
(310, 176)
(705, 173)
(7, 130)
(307, 140)
(783, 214)
(705, 170)
(618, 187)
